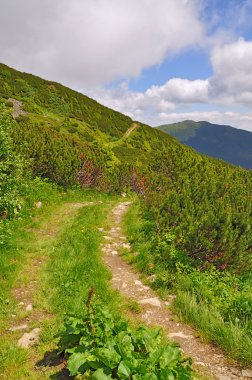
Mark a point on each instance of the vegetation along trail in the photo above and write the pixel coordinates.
(52, 281)
(154, 311)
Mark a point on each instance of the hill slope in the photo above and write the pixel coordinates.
(70, 138)
(194, 215)
(220, 141)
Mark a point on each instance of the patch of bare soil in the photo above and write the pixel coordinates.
(208, 360)
(17, 108)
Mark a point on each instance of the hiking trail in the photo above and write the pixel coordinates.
(25, 325)
(131, 129)
(207, 359)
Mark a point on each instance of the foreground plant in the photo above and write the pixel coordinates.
(102, 347)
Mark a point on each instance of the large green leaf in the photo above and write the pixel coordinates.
(150, 376)
(109, 357)
(123, 371)
(170, 357)
(76, 361)
(101, 374)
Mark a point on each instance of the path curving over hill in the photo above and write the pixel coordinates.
(131, 129)
(208, 360)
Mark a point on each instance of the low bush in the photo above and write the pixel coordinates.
(103, 347)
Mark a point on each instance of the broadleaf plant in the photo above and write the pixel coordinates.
(101, 347)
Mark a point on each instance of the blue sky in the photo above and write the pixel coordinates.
(192, 64)
(159, 61)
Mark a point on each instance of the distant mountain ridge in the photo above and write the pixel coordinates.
(219, 141)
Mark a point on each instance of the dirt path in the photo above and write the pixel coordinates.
(17, 108)
(207, 359)
(131, 129)
(25, 324)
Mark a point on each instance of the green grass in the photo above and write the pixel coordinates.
(74, 265)
(235, 342)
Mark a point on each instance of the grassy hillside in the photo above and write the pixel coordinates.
(70, 138)
(220, 141)
(194, 211)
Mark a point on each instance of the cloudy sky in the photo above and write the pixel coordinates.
(159, 61)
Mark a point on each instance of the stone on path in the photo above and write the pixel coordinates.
(180, 334)
(29, 339)
(151, 301)
(29, 307)
(126, 246)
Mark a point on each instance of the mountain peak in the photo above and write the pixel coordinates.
(220, 141)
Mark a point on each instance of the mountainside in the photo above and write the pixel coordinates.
(220, 141)
(190, 222)
(70, 138)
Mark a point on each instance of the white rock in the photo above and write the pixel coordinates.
(29, 307)
(151, 301)
(137, 282)
(124, 195)
(29, 339)
(180, 334)
(200, 363)
(21, 304)
(145, 287)
(39, 204)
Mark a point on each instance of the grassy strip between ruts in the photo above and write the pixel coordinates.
(73, 266)
(232, 337)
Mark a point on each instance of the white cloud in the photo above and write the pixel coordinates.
(179, 90)
(87, 42)
(154, 110)
(232, 65)
(229, 86)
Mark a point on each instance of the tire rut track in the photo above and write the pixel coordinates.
(208, 360)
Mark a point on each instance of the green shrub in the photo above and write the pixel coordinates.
(103, 347)
(11, 169)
